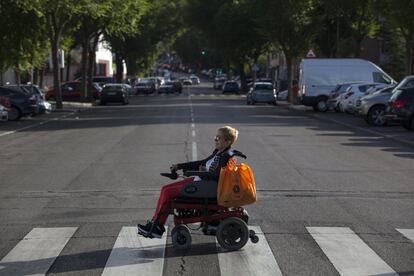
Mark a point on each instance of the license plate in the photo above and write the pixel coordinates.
(111, 93)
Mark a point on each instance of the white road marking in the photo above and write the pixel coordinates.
(135, 255)
(194, 151)
(193, 125)
(252, 259)
(35, 254)
(193, 133)
(35, 125)
(408, 233)
(348, 252)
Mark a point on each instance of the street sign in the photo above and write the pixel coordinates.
(310, 54)
(255, 67)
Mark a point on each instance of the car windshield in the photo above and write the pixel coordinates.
(264, 87)
(112, 88)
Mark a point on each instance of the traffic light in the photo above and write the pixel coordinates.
(203, 52)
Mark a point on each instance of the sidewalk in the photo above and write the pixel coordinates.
(72, 106)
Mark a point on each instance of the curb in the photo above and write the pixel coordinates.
(315, 116)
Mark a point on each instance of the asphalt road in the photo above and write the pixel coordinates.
(97, 171)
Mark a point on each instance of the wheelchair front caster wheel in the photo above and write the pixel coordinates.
(181, 237)
(232, 234)
(254, 239)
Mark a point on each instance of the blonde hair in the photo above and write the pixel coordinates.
(229, 133)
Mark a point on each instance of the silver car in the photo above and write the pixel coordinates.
(262, 92)
(4, 115)
(372, 107)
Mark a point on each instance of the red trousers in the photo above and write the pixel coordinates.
(168, 193)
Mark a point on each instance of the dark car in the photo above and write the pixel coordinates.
(145, 87)
(401, 107)
(171, 87)
(114, 92)
(231, 87)
(37, 91)
(21, 104)
(71, 91)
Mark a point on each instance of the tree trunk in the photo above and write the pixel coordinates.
(41, 77)
(17, 76)
(242, 74)
(91, 65)
(68, 62)
(289, 64)
(119, 67)
(409, 54)
(84, 72)
(54, 37)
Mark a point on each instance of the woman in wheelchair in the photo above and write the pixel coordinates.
(207, 180)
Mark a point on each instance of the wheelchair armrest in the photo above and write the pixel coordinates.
(196, 173)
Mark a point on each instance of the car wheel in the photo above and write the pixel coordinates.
(375, 116)
(14, 114)
(321, 105)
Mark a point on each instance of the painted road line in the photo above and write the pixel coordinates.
(194, 151)
(193, 133)
(133, 254)
(35, 125)
(35, 254)
(193, 125)
(408, 233)
(348, 252)
(252, 259)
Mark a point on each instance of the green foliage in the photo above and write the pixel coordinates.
(23, 36)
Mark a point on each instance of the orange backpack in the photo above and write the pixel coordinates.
(236, 185)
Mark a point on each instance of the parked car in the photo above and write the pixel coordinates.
(4, 114)
(114, 92)
(401, 107)
(44, 106)
(145, 86)
(230, 87)
(335, 95)
(282, 95)
(346, 101)
(194, 79)
(370, 89)
(372, 107)
(318, 77)
(21, 103)
(71, 91)
(101, 80)
(261, 92)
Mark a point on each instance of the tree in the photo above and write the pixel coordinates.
(230, 29)
(400, 14)
(58, 16)
(289, 24)
(24, 43)
(156, 30)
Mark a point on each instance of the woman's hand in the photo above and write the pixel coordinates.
(174, 168)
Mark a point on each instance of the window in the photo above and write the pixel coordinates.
(381, 78)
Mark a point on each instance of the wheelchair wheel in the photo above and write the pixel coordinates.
(232, 234)
(181, 237)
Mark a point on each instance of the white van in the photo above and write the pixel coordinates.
(318, 77)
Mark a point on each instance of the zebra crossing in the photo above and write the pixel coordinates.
(134, 255)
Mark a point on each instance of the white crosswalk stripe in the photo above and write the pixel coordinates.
(36, 252)
(135, 255)
(252, 259)
(408, 233)
(348, 253)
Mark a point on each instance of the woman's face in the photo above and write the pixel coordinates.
(220, 142)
